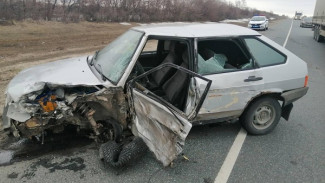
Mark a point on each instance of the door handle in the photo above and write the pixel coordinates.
(252, 78)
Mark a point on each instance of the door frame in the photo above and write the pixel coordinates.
(131, 84)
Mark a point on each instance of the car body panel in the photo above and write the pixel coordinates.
(194, 30)
(229, 94)
(164, 132)
(53, 73)
(161, 125)
(290, 75)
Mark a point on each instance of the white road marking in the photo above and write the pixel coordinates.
(231, 158)
(285, 42)
(233, 153)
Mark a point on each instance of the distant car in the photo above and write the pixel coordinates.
(258, 23)
(150, 85)
(306, 22)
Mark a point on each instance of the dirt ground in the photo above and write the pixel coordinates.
(30, 43)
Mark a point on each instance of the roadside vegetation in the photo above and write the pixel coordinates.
(126, 10)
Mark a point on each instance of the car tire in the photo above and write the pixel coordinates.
(262, 116)
(109, 152)
(318, 37)
(315, 30)
(119, 155)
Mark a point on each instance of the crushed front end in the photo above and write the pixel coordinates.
(101, 111)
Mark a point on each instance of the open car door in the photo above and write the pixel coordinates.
(163, 126)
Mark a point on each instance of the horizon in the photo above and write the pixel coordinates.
(280, 7)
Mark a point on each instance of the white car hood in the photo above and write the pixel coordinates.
(256, 22)
(68, 72)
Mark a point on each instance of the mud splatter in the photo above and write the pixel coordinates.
(82, 176)
(207, 180)
(73, 164)
(13, 175)
(66, 143)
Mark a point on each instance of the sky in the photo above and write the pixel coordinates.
(286, 7)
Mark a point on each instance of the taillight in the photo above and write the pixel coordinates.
(306, 81)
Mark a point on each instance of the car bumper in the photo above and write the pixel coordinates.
(288, 98)
(258, 27)
(306, 25)
(293, 95)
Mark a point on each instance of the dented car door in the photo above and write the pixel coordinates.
(161, 125)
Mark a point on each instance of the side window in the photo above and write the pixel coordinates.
(151, 45)
(219, 56)
(264, 54)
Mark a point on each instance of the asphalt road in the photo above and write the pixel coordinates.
(293, 152)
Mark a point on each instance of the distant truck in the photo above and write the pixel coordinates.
(298, 15)
(319, 21)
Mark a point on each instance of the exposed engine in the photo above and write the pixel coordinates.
(53, 109)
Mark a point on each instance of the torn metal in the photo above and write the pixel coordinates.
(156, 125)
(52, 74)
(54, 108)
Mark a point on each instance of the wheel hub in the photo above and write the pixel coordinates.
(263, 115)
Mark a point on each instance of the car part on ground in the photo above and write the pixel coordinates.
(121, 154)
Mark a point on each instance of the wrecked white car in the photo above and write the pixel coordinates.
(153, 83)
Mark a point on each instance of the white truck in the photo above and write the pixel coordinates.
(298, 15)
(319, 21)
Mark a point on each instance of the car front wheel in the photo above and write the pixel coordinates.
(262, 116)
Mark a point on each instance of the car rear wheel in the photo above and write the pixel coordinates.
(317, 35)
(262, 116)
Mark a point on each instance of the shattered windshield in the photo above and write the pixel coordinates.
(112, 60)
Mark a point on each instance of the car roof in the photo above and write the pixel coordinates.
(196, 30)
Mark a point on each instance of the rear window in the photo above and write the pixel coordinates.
(263, 53)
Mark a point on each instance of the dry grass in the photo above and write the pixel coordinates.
(25, 42)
